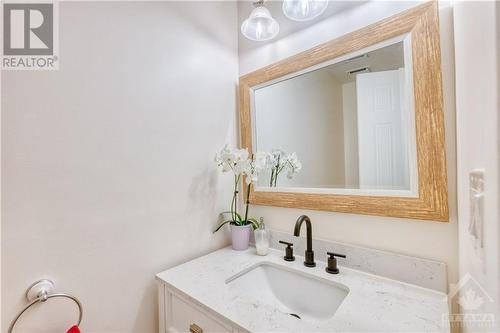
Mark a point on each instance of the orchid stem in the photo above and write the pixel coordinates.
(247, 203)
(234, 202)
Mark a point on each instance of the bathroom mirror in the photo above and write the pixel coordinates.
(356, 124)
(348, 122)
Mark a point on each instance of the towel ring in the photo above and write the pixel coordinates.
(39, 292)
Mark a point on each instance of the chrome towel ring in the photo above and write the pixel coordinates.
(40, 292)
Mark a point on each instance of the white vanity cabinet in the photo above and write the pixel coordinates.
(178, 314)
(228, 292)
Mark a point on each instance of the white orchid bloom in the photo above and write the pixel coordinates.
(240, 155)
(251, 179)
(252, 174)
(226, 167)
(232, 159)
(281, 161)
(293, 165)
(277, 155)
(263, 161)
(238, 161)
(294, 162)
(225, 159)
(228, 157)
(241, 167)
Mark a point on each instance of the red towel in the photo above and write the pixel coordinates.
(74, 329)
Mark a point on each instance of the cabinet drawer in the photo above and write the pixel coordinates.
(188, 317)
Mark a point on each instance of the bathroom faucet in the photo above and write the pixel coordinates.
(309, 254)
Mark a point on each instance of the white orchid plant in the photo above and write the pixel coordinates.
(283, 162)
(241, 164)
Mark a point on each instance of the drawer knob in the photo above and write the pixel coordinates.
(193, 328)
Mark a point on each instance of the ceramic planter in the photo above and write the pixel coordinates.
(240, 236)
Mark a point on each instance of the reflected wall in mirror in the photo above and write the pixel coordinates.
(364, 115)
(350, 122)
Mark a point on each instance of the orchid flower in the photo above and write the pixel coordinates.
(239, 162)
(281, 161)
(242, 164)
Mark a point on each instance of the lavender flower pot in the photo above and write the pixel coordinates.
(240, 236)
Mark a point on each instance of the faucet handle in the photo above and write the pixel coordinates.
(332, 262)
(333, 255)
(288, 251)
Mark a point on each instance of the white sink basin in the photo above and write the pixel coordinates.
(291, 291)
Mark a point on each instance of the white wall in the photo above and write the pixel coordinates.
(477, 36)
(419, 238)
(107, 164)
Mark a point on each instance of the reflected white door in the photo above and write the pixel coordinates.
(382, 134)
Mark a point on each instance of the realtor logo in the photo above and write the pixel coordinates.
(29, 36)
(469, 300)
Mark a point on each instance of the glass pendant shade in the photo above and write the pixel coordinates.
(260, 25)
(304, 10)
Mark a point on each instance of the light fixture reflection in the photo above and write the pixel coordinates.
(304, 10)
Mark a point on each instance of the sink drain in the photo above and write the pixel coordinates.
(295, 315)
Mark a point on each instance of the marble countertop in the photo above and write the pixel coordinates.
(374, 304)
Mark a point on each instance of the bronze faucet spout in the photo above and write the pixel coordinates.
(309, 253)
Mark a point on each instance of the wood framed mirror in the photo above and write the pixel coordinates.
(364, 115)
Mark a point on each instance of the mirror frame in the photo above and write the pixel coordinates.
(422, 24)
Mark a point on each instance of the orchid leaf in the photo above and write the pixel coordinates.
(254, 223)
(221, 225)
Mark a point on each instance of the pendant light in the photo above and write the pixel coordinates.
(304, 10)
(260, 25)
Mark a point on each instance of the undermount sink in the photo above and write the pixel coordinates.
(299, 294)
